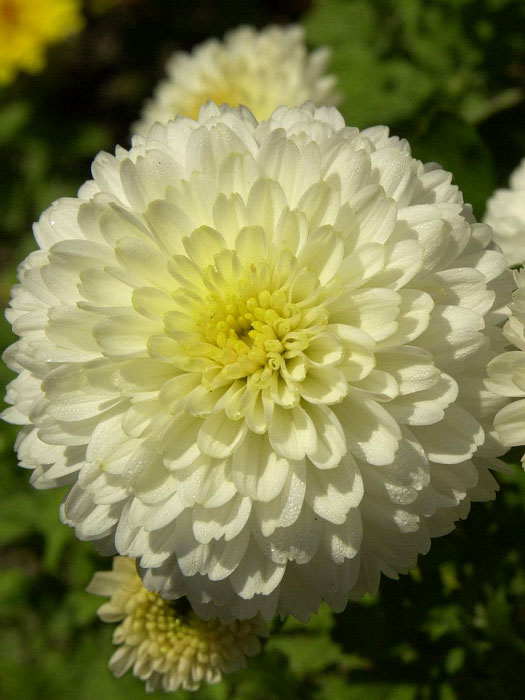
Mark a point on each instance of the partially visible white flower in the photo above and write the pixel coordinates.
(506, 214)
(507, 372)
(164, 642)
(256, 352)
(258, 69)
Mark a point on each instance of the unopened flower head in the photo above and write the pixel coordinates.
(26, 29)
(506, 214)
(507, 372)
(260, 70)
(256, 351)
(164, 642)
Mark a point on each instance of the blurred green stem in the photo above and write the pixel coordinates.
(475, 114)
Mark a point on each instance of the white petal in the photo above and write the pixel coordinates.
(298, 542)
(257, 471)
(454, 439)
(126, 335)
(256, 574)
(219, 436)
(323, 385)
(332, 492)
(331, 443)
(320, 203)
(325, 266)
(412, 367)
(371, 432)
(285, 508)
(344, 540)
(427, 406)
(510, 423)
(374, 311)
(291, 432)
(203, 244)
(144, 263)
(265, 204)
(225, 521)
(226, 556)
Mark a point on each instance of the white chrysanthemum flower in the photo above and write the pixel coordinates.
(260, 70)
(164, 643)
(257, 353)
(506, 214)
(507, 372)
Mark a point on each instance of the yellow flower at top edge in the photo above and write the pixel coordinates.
(27, 27)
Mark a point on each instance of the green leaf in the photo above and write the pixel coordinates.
(14, 116)
(307, 654)
(394, 89)
(336, 688)
(455, 660)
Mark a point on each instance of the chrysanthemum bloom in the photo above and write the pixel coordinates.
(27, 27)
(506, 214)
(507, 372)
(257, 353)
(164, 642)
(260, 70)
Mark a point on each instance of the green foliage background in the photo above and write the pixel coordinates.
(449, 75)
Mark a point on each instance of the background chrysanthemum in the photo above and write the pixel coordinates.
(257, 353)
(260, 70)
(507, 372)
(165, 643)
(26, 29)
(506, 214)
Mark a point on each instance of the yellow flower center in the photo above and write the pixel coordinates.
(9, 11)
(170, 627)
(252, 330)
(252, 335)
(255, 323)
(226, 95)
